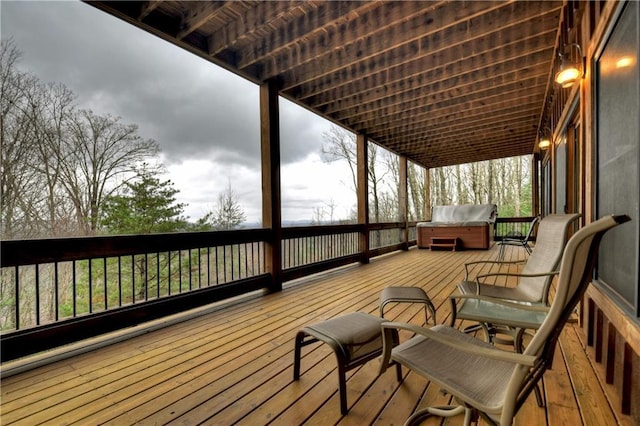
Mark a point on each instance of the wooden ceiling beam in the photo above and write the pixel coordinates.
(468, 149)
(454, 118)
(472, 136)
(318, 27)
(385, 38)
(424, 96)
(453, 113)
(254, 25)
(509, 145)
(383, 48)
(458, 155)
(198, 14)
(520, 118)
(450, 142)
(432, 163)
(384, 115)
(526, 116)
(434, 159)
(405, 45)
(427, 122)
(147, 8)
(423, 74)
(437, 65)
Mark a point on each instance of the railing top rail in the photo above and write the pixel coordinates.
(28, 252)
(313, 230)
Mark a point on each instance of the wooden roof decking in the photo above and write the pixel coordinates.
(440, 82)
(233, 364)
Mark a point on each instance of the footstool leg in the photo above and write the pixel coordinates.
(297, 352)
(342, 387)
(429, 306)
(398, 372)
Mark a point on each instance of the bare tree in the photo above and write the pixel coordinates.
(13, 140)
(228, 213)
(58, 163)
(340, 145)
(34, 118)
(100, 154)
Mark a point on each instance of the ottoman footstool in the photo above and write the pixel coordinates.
(355, 338)
(408, 295)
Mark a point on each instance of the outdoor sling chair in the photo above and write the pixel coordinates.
(534, 280)
(537, 274)
(516, 239)
(484, 380)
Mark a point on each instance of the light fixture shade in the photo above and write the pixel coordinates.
(544, 143)
(567, 76)
(569, 71)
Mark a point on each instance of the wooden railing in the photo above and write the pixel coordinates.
(57, 291)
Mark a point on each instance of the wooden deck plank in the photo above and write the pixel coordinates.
(233, 364)
(592, 403)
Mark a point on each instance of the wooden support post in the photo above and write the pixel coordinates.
(535, 185)
(403, 203)
(427, 195)
(271, 196)
(363, 194)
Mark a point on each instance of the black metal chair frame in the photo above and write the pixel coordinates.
(517, 239)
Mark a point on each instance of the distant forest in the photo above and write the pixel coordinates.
(505, 182)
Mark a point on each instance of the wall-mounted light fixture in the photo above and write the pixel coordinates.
(570, 71)
(545, 138)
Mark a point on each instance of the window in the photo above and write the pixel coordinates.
(618, 154)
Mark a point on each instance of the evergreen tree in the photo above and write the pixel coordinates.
(146, 205)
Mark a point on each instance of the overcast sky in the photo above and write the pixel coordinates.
(205, 119)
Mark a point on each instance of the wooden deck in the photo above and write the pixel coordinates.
(233, 364)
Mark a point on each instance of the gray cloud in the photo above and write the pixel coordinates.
(190, 106)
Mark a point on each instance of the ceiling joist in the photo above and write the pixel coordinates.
(441, 82)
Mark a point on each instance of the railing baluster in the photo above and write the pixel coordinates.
(106, 294)
(17, 297)
(217, 268)
(56, 292)
(199, 268)
(246, 260)
(158, 275)
(233, 248)
(208, 266)
(189, 272)
(224, 263)
(37, 295)
(90, 286)
(146, 276)
(169, 273)
(119, 280)
(133, 279)
(260, 260)
(73, 288)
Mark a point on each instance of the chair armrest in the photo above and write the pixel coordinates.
(492, 262)
(487, 352)
(512, 274)
(526, 306)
